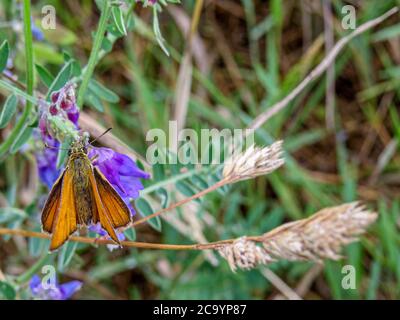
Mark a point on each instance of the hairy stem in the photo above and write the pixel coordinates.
(29, 79)
(105, 12)
(132, 244)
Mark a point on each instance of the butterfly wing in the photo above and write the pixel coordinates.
(103, 213)
(119, 213)
(51, 206)
(65, 219)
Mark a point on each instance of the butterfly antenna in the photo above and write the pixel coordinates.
(97, 138)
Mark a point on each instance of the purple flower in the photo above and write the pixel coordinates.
(36, 32)
(53, 291)
(47, 161)
(121, 171)
(64, 103)
(64, 107)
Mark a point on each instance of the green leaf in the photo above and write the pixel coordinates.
(76, 69)
(94, 101)
(130, 234)
(63, 152)
(102, 92)
(145, 209)
(164, 197)
(22, 138)
(157, 31)
(61, 79)
(66, 254)
(45, 53)
(106, 45)
(118, 19)
(199, 182)
(37, 246)
(186, 189)
(387, 33)
(7, 291)
(10, 106)
(10, 214)
(4, 51)
(44, 75)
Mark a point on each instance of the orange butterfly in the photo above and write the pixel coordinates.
(82, 196)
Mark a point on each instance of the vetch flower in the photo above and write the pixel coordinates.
(48, 291)
(57, 120)
(121, 171)
(64, 103)
(47, 161)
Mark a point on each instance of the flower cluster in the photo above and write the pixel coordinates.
(56, 121)
(60, 118)
(53, 291)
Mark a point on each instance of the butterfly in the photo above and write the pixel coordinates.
(82, 196)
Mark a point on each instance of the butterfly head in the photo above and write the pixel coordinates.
(79, 146)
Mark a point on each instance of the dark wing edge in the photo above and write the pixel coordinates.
(52, 203)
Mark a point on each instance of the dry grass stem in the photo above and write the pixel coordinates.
(318, 237)
(319, 69)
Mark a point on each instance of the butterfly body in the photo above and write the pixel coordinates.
(84, 199)
(82, 196)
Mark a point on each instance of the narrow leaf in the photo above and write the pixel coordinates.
(130, 233)
(118, 19)
(61, 79)
(63, 152)
(145, 209)
(10, 106)
(66, 254)
(94, 101)
(44, 75)
(102, 92)
(11, 214)
(22, 138)
(4, 51)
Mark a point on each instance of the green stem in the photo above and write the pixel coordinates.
(95, 51)
(29, 80)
